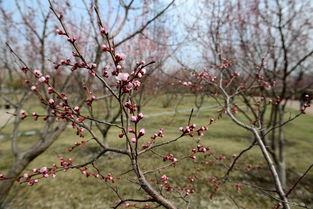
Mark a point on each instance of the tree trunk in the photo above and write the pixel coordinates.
(15, 171)
(281, 157)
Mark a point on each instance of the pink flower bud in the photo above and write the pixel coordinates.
(105, 48)
(140, 116)
(26, 175)
(133, 119)
(141, 132)
(103, 30)
(120, 56)
(76, 109)
(122, 77)
(42, 79)
(118, 67)
(50, 90)
(164, 178)
(43, 170)
(33, 88)
(51, 101)
(37, 73)
(143, 71)
(134, 140)
(59, 32)
(130, 130)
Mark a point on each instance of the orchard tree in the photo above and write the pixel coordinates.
(254, 36)
(35, 27)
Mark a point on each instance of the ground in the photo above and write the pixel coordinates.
(72, 190)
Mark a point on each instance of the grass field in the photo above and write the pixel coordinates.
(73, 190)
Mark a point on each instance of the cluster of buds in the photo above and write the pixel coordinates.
(136, 119)
(72, 40)
(150, 142)
(189, 191)
(108, 178)
(79, 131)
(187, 84)
(129, 205)
(134, 139)
(44, 171)
(85, 172)
(90, 100)
(226, 64)
(65, 163)
(132, 107)
(119, 57)
(76, 144)
(159, 134)
(165, 183)
(275, 101)
(60, 32)
(62, 62)
(170, 157)
(31, 182)
(188, 129)
(139, 74)
(127, 86)
(251, 167)
(200, 148)
(191, 128)
(201, 130)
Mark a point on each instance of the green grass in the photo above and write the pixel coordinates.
(72, 190)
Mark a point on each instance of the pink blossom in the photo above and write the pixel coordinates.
(139, 75)
(122, 77)
(76, 109)
(105, 48)
(42, 79)
(43, 170)
(143, 71)
(142, 132)
(59, 32)
(120, 57)
(133, 119)
(136, 84)
(26, 175)
(37, 73)
(33, 88)
(118, 67)
(51, 101)
(164, 178)
(140, 116)
(134, 140)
